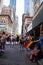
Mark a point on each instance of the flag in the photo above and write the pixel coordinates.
(30, 44)
(26, 44)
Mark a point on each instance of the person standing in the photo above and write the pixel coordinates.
(17, 39)
(41, 41)
(3, 41)
(21, 43)
(37, 54)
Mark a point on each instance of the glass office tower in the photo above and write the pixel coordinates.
(13, 3)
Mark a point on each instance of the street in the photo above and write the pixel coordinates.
(14, 56)
(21, 23)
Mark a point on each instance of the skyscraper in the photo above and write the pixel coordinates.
(31, 9)
(13, 3)
(26, 6)
(36, 5)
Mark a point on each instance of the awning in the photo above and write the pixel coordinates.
(29, 27)
(38, 20)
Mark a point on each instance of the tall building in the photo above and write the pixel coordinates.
(8, 11)
(33, 6)
(1, 5)
(26, 6)
(31, 9)
(13, 3)
(37, 22)
(17, 25)
(36, 5)
(26, 20)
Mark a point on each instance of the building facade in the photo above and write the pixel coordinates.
(26, 6)
(1, 5)
(36, 5)
(17, 25)
(10, 11)
(31, 9)
(26, 20)
(36, 27)
(13, 3)
(5, 24)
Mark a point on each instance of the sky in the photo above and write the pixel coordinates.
(19, 12)
(41, 0)
(6, 2)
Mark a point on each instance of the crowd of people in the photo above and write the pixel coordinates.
(5, 37)
(36, 53)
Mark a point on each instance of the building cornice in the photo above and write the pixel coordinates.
(6, 15)
(38, 10)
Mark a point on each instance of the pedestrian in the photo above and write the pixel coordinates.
(38, 53)
(21, 42)
(0, 46)
(41, 41)
(3, 41)
(17, 39)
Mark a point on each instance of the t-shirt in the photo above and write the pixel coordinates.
(4, 38)
(41, 40)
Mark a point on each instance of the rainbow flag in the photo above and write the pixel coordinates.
(26, 44)
(30, 44)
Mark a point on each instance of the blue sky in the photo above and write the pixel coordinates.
(41, 0)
